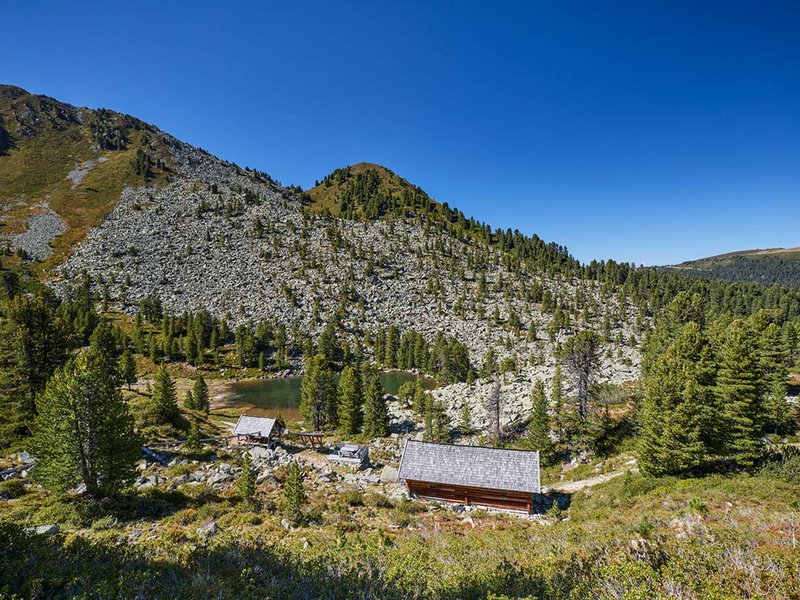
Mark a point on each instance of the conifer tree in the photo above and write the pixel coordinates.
(84, 432)
(675, 405)
(127, 368)
(465, 424)
(318, 394)
(557, 398)
(774, 362)
(739, 395)
(538, 437)
(188, 400)
(581, 355)
(351, 400)
(246, 484)
(193, 438)
(200, 393)
(294, 493)
(494, 410)
(376, 414)
(164, 401)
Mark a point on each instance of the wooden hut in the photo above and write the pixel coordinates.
(256, 429)
(495, 477)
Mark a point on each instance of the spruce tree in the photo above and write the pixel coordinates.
(318, 394)
(84, 432)
(538, 437)
(376, 414)
(200, 393)
(294, 493)
(164, 401)
(246, 484)
(351, 400)
(739, 394)
(193, 444)
(127, 367)
(188, 401)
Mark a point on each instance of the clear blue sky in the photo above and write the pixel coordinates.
(646, 131)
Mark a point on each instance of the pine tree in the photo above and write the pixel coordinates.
(538, 437)
(294, 493)
(84, 432)
(200, 393)
(437, 423)
(246, 484)
(376, 414)
(318, 394)
(164, 401)
(127, 368)
(774, 364)
(188, 401)
(581, 354)
(739, 394)
(674, 408)
(351, 400)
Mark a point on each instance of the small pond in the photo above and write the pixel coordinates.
(267, 397)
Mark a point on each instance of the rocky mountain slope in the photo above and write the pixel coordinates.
(366, 245)
(770, 266)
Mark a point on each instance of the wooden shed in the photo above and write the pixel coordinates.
(256, 429)
(495, 477)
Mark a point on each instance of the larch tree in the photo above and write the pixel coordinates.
(84, 432)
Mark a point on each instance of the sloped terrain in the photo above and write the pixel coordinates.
(779, 266)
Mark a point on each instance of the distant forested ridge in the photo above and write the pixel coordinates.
(767, 267)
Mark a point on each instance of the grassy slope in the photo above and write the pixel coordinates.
(36, 169)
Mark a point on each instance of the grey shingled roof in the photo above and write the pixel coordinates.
(474, 466)
(261, 426)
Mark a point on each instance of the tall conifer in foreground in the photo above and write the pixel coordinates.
(294, 493)
(739, 394)
(84, 432)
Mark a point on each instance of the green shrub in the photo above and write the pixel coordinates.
(13, 488)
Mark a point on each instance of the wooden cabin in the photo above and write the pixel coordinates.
(259, 430)
(495, 477)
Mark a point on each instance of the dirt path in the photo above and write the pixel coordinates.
(570, 487)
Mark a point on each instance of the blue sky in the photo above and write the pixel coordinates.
(643, 131)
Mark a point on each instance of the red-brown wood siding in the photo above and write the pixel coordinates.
(506, 499)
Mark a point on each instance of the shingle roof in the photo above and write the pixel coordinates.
(474, 466)
(261, 426)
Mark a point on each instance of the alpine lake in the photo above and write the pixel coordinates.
(268, 397)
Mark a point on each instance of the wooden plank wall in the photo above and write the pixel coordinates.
(505, 499)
